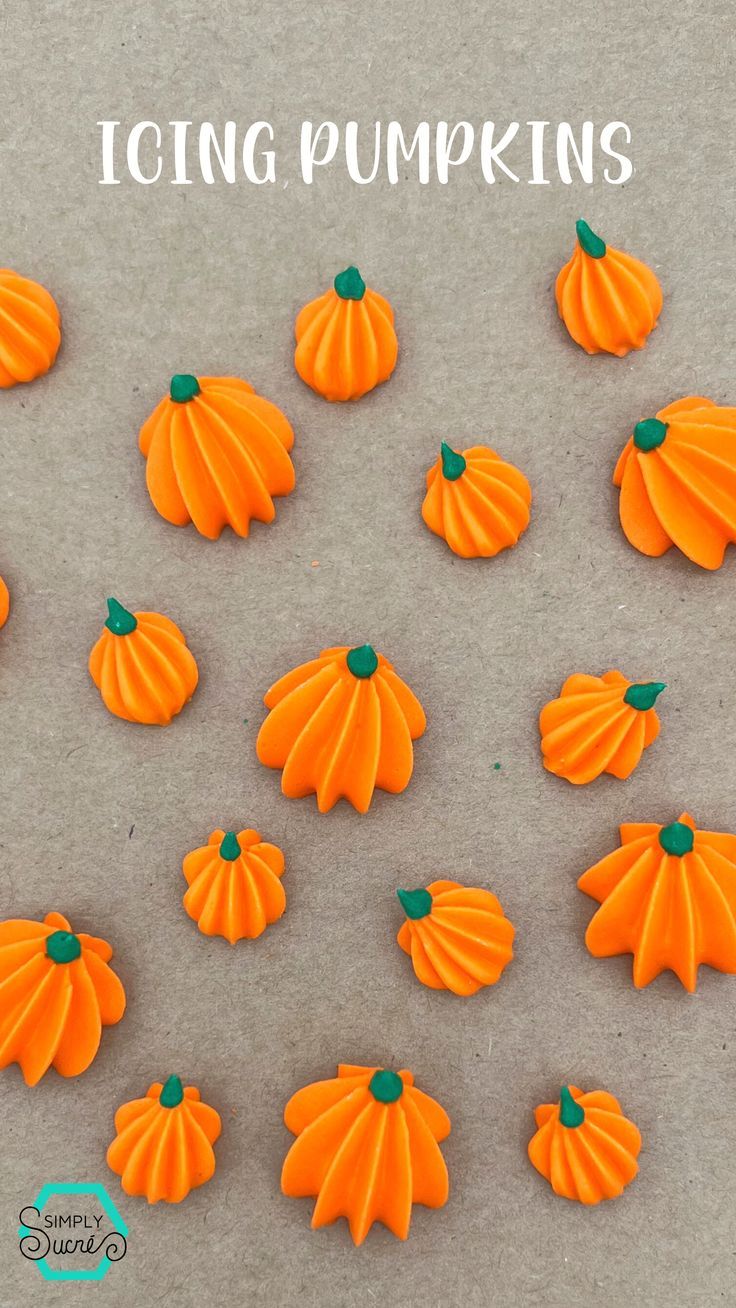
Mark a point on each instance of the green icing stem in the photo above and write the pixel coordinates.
(592, 244)
(649, 434)
(386, 1086)
(677, 839)
(349, 284)
(63, 947)
(229, 847)
(172, 1093)
(362, 661)
(184, 387)
(571, 1114)
(644, 694)
(415, 903)
(119, 621)
(453, 463)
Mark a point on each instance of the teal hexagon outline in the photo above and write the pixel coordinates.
(77, 1187)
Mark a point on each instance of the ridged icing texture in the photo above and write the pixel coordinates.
(609, 304)
(462, 943)
(163, 1151)
(234, 897)
(479, 509)
(671, 911)
(593, 1159)
(147, 674)
(682, 490)
(591, 729)
(367, 1148)
(217, 458)
(56, 994)
(345, 346)
(339, 733)
(30, 332)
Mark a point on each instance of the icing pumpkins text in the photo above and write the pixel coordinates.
(476, 502)
(584, 1146)
(457, 936)
(367, 1149)
(608, 300)
(345, 339)
(340, 726)
(667, 896)
(677, 478)
(235, 889)
(57, 991)
(142, 667)
(30, 332)
(598, 724)
(163, 1143)
(217, 455)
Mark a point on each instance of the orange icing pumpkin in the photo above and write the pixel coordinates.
(56, 994)
(476, 502)
(608, 300)
(142, 667)
(4, 603)
(366, 1149)
(599, 724)
(677, 475)
(345, 339)
(163, 1143)
(457, 936)
(30, 334)
(217, 454)
(667, 896)
(234, 886)
(584, 1146)
(340, 726)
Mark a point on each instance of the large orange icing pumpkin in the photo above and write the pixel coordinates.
(667, 896)
(30, 333)
(234, 885)
(142, 667)
(677, 475)
(476, 502)
(584, 1146)
(598, 724)
(163, 1146)
(366, 1149)
(56, 994)
(340, 726)
(608, 300)
(457, 936)
(345, 339)
(4, 603)
(217, 454)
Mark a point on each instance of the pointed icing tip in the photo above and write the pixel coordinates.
(183, 387)
(677, 839)
(349, 284)
(592, 244)
(415, 903)
(453, 463)
(172, 1093)
(644, 694)
(119, 621)
(229, 847)
(362, 661)
(386, 1086)
(649, 434)
(571, 1114)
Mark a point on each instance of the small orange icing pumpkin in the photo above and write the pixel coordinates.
(457, 936)
(584, 1146)
(30, 333)
(667, 896)
(163, 1143)
(234, 885)
(608, 300)
(677, 476)
(599, 724)
(367, 1149)
(340, 726)
(476, 502)
(142, 667)
(4, 603)
(57, 991)
(345, 339)
(217, 454)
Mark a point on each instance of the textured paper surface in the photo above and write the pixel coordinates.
(95, 815)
